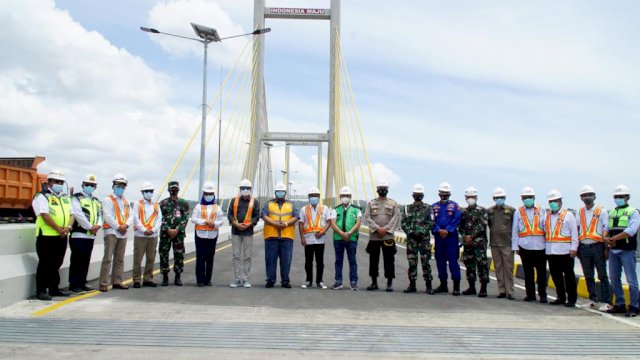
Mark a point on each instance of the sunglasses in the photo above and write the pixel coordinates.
(245, 188)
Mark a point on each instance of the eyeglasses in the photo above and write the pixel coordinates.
(147, 192)
(245, 188)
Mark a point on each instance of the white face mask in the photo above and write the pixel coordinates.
(345, 200)
(471, 201)
(245, 192)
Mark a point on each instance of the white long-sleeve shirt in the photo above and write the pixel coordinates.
(601, 226)
(310, 238)
(149, 207)
(527, 242)
(109, 216)
(196, 218)
(81, 218)
(568, 228)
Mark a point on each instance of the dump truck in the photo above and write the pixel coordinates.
(19, 182)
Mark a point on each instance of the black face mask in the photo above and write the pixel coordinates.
(418, 197)
(588, 200)
(383, 192)
(173, 192)
(444, 198)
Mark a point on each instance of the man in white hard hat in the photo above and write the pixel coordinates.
(624, 221)
(561, 234)
(87, 213)
(383, 218)
(243, 215)
(345, 221)
(500, 227)
(175, 217)
(447, 215)
(417, 223)
(315, 221)
(280, 217)
(53, 225)
(147, 219)
(117, 219)
(208, 217)
(473, 228)
(593, 228)
(529, 242)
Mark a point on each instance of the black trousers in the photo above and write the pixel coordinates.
(388, 258)
(81, 249)
(561, 269)
(50, 250)
(310, 251)
(205, 251)
(534, 261)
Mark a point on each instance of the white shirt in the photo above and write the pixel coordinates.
(527, 242)
(310, 238)
(41, 204)
(196, 218)
(81, 218)
(601, 226)
(568, 228)
(149, 207)
(334, 214)
(109, 216)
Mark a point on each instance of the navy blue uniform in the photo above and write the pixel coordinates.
(447, 216)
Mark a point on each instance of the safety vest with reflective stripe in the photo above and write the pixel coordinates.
(555, 235)
(92, 210)
(313, 226)
(619, 218)
(122, 220)
(151, 221)
(590, 231)
(247, 217)
(60, 212)
(529, 228)
(279, 213)
(211, 217)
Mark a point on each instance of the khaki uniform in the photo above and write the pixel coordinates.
(500, 229)
(382, 214)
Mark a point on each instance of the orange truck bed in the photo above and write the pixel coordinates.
(19, 181)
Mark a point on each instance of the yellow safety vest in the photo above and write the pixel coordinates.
(60, 212)
(278, 213)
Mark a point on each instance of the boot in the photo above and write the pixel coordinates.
(389, 285)
(374, 284)
(177, 281)
(411, 288)
(456, 288)
(483, 289)
(165, 279)
(471, 290)
(429, 288)
(443, 288)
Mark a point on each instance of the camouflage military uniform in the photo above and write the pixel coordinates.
(474, 223)
(175, 215)
(417, 223)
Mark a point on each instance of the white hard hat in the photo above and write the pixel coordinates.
(313, 190)
(120, 178)
(554, 195)
(444, 187)
(527, 191)
(208, 187)
(345, 190)
(56, 175)
(471, 192)
(90, 179)
(280, 187)
(499, 192)
(382, 183)
(418, 189)
(147, 186)
(587, 190)
(245, 183)
(621, 190)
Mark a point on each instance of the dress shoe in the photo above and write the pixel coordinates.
(136, 285)
(200, 285)
(120, 287)
(528, 299)
(43, 296)
(208, 284)
(149, 284)
(103, 288)
(570, 304)
(557, 302)
(543, 300)
(59, 293)
(286, 285)
(269, 285)
(510, 297)
(502, 296)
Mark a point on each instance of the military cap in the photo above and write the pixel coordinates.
(174, 184)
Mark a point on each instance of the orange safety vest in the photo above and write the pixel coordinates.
(555, 236)
(212, 217)
(147, 223)
(590, 232)
(247, 217)
(313, 226)
(531, 229)
(122, 220)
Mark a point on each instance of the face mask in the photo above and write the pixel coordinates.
(528, 202)
(88, 190)
(280, 194)
(499, 202)
(56, 188)
(314, 200)
(173, 192)
(383, 192)
(620, 202)
(119, 191)
(588, 200)
(444, 198)
(471, 201)
(345, 200)
(418, 197)
(147, 195)
(554, 206)
(245, 192)
(209, 198)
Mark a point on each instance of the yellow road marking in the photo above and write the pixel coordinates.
(93, 293)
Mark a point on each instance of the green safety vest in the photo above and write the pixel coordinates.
(351, 215)
(619, 217)
(92, 209)
(60, 212)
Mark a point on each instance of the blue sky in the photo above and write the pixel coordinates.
(479, 94)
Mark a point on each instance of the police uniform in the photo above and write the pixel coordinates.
(417, 223)
(382, 213)
(473, 223)
(175, 215)
(447, 217)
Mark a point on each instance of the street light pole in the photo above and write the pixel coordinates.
(204, 121)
